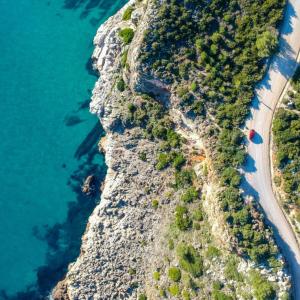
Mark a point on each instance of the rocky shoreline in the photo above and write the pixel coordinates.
(122, 242)
(122, 224)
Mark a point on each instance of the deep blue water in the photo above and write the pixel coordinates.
(48, 139)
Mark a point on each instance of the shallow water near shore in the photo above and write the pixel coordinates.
(48, 138)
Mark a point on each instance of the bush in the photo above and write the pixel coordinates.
(196, 226)
(185, 295)
(262, 289)
(121, 85)
(124, 58)
(217, 285)
(178, 161)
(218, 295)
(142, 297)
(162, 293)
(173, 138)
(127, 13)
(155, 203)
(189, 195)
(174, 274)
(231, 176)
(171, 244)
(198, 214)
(156, 276)
(143, 156)
(182, 218)
(132, 271)
(212, 252)
(163, 161)
(194, 87)
(190, 260)
(127, 35)
(231, 271)
(174, 289)
(184, 178)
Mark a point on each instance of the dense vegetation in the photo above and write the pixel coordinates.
(214, 52)
(286, 130)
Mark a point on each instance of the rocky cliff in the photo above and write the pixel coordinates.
(124, 253)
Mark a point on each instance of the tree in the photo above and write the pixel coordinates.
(127, 35)
(266, 43)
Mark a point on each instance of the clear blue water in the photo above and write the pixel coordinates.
(47, 139)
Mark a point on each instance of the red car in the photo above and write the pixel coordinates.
(251, 134)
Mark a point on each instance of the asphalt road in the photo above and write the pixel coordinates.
(257, 168)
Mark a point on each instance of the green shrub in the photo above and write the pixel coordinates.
(231, 176)
(182, 218)
(163, 161)
(189, 195)
(171, 244)
(231, 271)
(156, 275)
(127, 13)
(121, 85)
(127, 35)
(212, 251)
(178, 161)
(124, 58)
(218, 295)
(155, 203)
(131, 271)
(262, 289)
(196, 226)
(142, 297)
(174, 274)
(188, 282)
(190, 260)
(185, 295)
(173, 138)
(132, 108)
(174, 289)
(184, 178)
(194, 87)
(198, 214)
(143, 156)
(182, 91)
(217, 285)
(162, 293)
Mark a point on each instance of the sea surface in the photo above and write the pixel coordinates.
(48, 138)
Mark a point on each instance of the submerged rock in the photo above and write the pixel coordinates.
(89, 185)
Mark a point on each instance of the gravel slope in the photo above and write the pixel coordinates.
(257, 169)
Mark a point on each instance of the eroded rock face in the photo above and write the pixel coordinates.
(60, 292)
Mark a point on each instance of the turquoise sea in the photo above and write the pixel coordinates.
(48, 138)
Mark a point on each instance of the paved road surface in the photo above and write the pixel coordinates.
(258, 175)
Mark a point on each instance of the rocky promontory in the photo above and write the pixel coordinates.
(160, 205)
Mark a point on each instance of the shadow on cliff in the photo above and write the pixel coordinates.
(64, 239)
